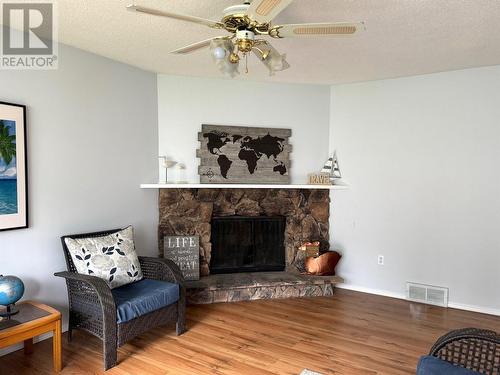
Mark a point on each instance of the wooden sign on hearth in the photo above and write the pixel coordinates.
(185, 252)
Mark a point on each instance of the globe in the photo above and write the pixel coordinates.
(11, 290)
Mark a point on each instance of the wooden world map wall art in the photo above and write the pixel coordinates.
(242, 155)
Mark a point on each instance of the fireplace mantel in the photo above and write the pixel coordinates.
(339, 186)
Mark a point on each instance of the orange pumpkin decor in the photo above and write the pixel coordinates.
(324, 265)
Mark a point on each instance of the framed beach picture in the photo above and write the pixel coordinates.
(13, 167)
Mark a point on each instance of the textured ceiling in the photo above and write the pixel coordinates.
(403, 37)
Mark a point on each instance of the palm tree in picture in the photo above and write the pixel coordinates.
(7, 144)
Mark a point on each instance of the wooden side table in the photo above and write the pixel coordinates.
(33, 319)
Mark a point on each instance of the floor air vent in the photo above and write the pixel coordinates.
(433, 295)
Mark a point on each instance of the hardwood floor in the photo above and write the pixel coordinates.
(349, 333)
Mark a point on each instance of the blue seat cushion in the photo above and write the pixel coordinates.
(142, 297)
(429, 365)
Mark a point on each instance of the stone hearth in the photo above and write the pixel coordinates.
(258, 285)
(190, 211)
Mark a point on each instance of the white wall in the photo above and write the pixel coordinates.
(422, 156)
(92, 139)
(187, 103)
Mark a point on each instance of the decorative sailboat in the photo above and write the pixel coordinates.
(332, 168)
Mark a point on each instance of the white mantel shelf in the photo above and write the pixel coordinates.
(339, 186)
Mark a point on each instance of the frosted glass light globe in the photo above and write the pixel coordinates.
(219, 53)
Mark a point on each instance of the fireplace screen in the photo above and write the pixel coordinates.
(247, 244)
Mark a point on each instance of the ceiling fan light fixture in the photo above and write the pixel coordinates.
(264, 54)
(219, 53)
(229, 69)
(245, 40)
(224, 64)
(275, 61)
(234, 58)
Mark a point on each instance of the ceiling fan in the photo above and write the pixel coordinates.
(247, 24)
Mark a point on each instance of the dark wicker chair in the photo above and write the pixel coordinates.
(471, 348)
(92, 307)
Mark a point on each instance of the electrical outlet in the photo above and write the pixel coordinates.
(380, 260)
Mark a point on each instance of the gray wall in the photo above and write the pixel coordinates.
(422, 156)
(92, 139)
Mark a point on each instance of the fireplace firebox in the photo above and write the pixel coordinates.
(247, 244)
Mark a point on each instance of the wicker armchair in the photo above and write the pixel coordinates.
(93, 309)
(471, 348)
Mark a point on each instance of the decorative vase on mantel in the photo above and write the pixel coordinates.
(180, 174)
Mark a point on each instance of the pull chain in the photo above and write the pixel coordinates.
(246, 63)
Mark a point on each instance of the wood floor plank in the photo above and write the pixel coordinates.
(350, 333)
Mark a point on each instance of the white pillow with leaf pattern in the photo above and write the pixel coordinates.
(111, 257)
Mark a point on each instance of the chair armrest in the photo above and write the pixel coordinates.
(161, 269)
(87, 290)
(97, 284)
(471, 348)
(93, 280)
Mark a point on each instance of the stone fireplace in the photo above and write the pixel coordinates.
(190, 212)
(258, 217)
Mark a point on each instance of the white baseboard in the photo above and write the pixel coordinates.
(386, 293)
(479, 309)
(378, 292)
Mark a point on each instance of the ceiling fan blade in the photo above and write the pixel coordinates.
(177, 16)
(196, 46)
(304, 30)
(271, 57)
(263, 11)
